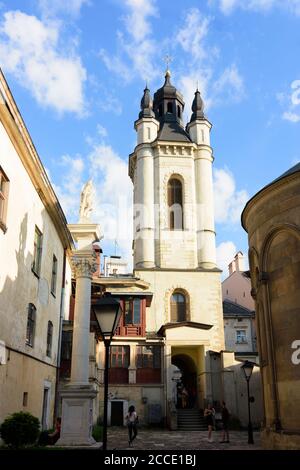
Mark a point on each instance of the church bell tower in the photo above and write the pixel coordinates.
(174, 238)
(171, 169)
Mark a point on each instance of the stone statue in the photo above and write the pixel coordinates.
(86, 202)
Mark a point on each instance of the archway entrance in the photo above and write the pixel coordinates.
(188, 380)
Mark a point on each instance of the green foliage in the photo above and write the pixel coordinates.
(97, 432)
(20, 429)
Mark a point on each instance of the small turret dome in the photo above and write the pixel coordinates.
(146, 105)
(197, 107)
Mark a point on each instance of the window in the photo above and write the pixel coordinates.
(170, 108)
(148, 357)
(54, 275)
(241, 336)
(132, 312)
(49, 338)
(178, 111)
(178, 307)
(37, 252)
(119, 356)
(31, 319)
(175, 204)
(4, 182)
(25, 398)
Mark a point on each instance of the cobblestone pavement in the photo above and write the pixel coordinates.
(157, 439)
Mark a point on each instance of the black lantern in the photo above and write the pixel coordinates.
(107, 311)
(248, 369)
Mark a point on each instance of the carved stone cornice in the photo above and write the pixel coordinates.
(83, 266)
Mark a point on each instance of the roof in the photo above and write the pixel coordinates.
(293, 170)
(233, 309)
(190, 324)
(172, 131)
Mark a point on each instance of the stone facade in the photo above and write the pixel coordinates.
(28, 369)
(272, 220)
(170, 258)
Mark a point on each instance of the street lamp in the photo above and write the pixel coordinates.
(248, 368)
(108, 312)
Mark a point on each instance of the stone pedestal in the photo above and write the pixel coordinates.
(77, 416)
(78, 397)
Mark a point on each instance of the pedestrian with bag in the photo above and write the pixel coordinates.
(132, 422)
(209, 414)
(225, 422)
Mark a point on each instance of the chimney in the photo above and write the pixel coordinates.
(237, 264)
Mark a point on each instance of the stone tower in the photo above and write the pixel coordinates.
(174, 235)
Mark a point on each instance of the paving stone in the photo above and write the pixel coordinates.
(148, 439)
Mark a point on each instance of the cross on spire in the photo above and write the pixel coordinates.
(168, 59)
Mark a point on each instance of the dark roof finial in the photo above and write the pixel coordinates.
(146, 104)
(197, 106)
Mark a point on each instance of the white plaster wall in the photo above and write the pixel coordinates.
(19, 286)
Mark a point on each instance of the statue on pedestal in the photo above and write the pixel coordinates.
(86, 203)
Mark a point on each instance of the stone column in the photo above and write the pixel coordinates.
(78, 396)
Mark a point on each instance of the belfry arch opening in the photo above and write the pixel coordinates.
(188, 369)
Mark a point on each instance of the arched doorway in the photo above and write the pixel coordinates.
(188, 379)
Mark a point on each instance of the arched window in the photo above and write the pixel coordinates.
(170, 108)
(175, 204)
(30, 330)
(178, 307)
(49, 338)
(178, 111)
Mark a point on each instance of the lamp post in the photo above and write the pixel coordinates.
(107, 311)
(248, 368)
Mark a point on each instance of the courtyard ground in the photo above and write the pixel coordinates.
(156, 439)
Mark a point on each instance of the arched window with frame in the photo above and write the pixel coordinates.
(178, 307)
(175, 204)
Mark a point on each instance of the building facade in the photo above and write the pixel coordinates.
(34, 272)
(272, 220)
(172, 305)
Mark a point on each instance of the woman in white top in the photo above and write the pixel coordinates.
(132, 421)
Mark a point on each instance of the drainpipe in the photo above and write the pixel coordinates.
(61, 318)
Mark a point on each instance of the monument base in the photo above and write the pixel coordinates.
(77, 416)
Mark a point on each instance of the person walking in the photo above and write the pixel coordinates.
(225, 422)
(132, 421)
(184, 397)
(209, 414)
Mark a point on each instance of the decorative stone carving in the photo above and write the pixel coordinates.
(84, 267)
(86, 202)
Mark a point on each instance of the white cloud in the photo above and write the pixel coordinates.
(201, 66)
(136, 43)
(229, 86)
(229, 202)
(30, 50)
(69, 187)
(113, 193)
(289, 116)
(228, 6)
(292, 102)
(54, 7)
(225, 254)
(192, 34)
(101, 130)
(136, 21)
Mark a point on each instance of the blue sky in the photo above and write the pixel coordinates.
(77, 70)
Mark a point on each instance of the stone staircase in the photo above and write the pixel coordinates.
(190, 419)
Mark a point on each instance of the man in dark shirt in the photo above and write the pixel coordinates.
(225, 421)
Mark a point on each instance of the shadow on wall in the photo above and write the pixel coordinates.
(21, 378)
